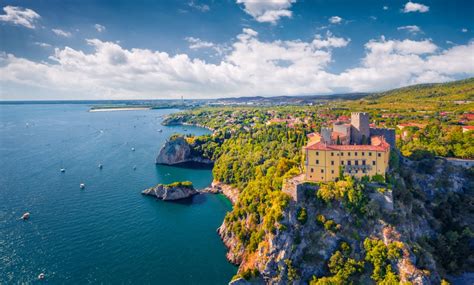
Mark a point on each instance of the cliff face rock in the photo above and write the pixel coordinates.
(170, 192)
(230, 192)
(177, 150)
(174, 151)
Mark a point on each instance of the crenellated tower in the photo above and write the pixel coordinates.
(360, 128)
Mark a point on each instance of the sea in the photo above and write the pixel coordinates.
(108, 232)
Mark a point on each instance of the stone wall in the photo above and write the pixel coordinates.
(296, 187)
(388, 134)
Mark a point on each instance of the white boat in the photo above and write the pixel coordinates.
(62, 170)
(82, 185)
(25, 216)
(100, 166)
(41, 276)
(133, 149)
(135, 167)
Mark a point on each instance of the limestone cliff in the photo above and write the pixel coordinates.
(176, 151)
(408, 219)
(174, 191)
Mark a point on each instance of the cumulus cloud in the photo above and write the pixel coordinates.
(99, 28)
(267, 10)
(20, 16)
(329, 42)
(335, 20)
(250, 67)
(61, 33)
(415, 7)
(413, 29)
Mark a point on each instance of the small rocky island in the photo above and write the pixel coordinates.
(177, 150)
(173, 191)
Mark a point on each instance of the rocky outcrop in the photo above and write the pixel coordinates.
(177, 151)
(171, 192)
(230, 192)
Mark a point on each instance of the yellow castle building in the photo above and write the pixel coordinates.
(351, 148)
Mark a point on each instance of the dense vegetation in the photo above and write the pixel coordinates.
(184, 184)
(257, 162)
(437, 140)
(440, 96)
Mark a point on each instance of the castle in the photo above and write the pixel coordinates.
(356, 149)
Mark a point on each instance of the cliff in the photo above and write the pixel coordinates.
(169, 192)
(302, 248)
(176, 151)
(230, 192)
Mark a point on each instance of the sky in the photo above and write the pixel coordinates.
(78, 50)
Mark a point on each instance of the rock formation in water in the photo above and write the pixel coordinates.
(173, 191)
(177, 150)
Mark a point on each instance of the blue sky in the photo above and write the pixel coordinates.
(210, 49)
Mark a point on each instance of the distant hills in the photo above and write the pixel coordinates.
(451, 91)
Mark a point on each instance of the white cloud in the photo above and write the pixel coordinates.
(329, 41)
(196, 43)
(335, 20)
(200, 7)
(413, 29)
(61, 33)
(99, 28)
(43, 45)
(464, 30)
(20, 16)
(250, 67)
(269, 11)
(415, 7)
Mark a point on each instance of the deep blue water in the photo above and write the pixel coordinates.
(108, 232)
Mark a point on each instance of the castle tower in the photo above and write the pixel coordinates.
(326, 135)
(360, 129)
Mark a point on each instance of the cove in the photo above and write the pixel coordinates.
(108, 232)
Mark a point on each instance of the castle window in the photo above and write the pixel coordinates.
(355, 153)
(322, 170)
(380, 155)
(317, 161)
(332, 153)
(332, 171)
(363, 162)
(370, 154)
(356, 162)
(362, 153)
(373, 162)
(312, 170)
(349, 162)
(317, 153)
(349, 153)
(332, 162)
(342, 162)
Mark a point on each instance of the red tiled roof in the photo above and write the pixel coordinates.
(378, 144)
(421, 126)
(468, 127)
(470, 117)
(334, 135)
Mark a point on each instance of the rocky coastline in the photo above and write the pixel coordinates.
(178, 151)
(171, 192)
(178, 121)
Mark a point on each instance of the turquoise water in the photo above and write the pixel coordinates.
(109, 232)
